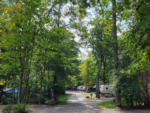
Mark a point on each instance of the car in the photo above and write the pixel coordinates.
(84, 88)
(79, 88)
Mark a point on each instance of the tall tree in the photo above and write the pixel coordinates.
(115, 48)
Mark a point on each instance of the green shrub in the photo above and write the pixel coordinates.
(20, 108)
(63, 99)
(131, 90)
(6, 100)
(58, 90)
(7, 109)
(1, 88)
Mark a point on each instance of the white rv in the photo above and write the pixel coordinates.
(107, 90)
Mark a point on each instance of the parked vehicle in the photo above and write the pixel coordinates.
(79, 88)
(107, 90)
(84, 88)
(94, 86)
(73, 88)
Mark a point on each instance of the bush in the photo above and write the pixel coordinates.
(131, 90)
(21, 108)
(58, 90)
(1, 88)
(7, 109)
(6, 100)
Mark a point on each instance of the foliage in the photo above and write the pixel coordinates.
(58, 89)
(20, 108)
(133, 43)
(63, 99)
(131, 89)
(7, 109)
(36, 41)
(88, 71)
(1, 87)
(39, 51)
(6, 100)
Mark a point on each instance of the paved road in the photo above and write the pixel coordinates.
(77, 104)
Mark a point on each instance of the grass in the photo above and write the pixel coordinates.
(109, 104)
(63, 99)
(93, 97)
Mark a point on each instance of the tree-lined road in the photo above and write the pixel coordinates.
(78, 104)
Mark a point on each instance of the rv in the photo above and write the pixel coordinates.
(106, 89)
(94, 86)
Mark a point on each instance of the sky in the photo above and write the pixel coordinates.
(84, 49)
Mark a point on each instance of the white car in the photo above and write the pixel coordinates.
(79, 88)
(84, 88)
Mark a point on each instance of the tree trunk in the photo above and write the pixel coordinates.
(48, 91)
(104, 78)
(149, 73)
(145, 87)
(22, 58)
(5, 84)
(24, 91)
(20, 88)
(35, 89)
(14, 90)
(131, 100)
(41, 89)
(55, 81)
(42, 78)
(115, 48)
(97, 77)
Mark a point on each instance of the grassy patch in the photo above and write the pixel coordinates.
(109, 104)
(87, 94)
(93, 97)
(63, 99)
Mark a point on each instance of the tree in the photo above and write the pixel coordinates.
(23, 30)
(88, 71)
(115, 48)
(138, 43)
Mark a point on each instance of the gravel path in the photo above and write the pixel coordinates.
(78, 104)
